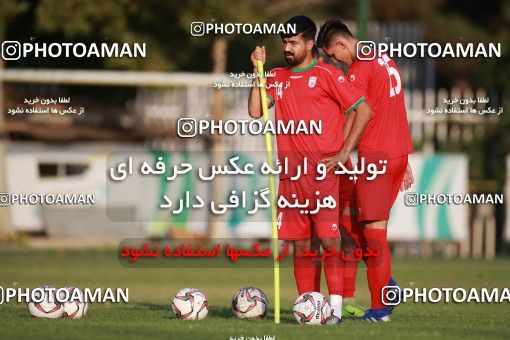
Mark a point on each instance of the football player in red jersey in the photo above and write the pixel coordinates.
(309, 90)
(383, 135)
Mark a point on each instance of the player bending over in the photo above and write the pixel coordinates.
(383, 135)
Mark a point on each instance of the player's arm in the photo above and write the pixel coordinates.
(408, 179)
(362, 112)
(254, 101)
(352, 100)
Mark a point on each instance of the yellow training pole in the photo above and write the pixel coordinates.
(269, 151)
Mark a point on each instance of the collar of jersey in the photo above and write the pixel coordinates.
(306, 68)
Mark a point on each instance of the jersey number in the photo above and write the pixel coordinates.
(394, 88)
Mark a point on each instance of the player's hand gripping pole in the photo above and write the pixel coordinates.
(269, 152)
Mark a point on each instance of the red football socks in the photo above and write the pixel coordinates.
(305, 273)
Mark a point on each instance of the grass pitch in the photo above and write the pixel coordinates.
(147, 315)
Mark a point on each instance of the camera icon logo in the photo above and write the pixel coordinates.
(365, 50)
(411, 199)
(187, 127)
(11, 50)
(391, 295)
(197, 28)
(5, 199)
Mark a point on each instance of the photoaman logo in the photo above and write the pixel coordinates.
(15, 50)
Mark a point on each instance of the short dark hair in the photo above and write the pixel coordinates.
(331, 28)
(304, 25)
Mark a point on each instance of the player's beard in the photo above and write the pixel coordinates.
(292, 60)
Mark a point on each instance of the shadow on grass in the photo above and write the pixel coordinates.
(226, 313)
(221, 312)
(152, 306)
(285, 317)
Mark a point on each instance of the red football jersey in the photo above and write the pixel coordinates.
(318, 92)
(387, 132)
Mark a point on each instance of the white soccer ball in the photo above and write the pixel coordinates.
(311, 308)
(249, 302)
(45, 304)
(190, 304)
(76, 307)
